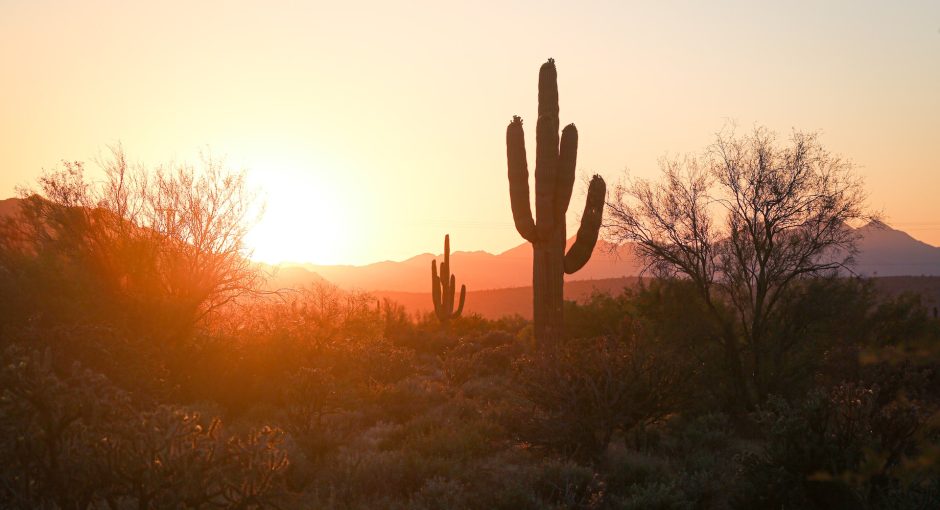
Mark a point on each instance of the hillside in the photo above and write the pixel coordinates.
(495, 303)
(476, 269)
(883, 251)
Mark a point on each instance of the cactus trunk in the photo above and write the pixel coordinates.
(554, 181)
(548, 273)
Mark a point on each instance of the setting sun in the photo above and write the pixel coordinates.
(303, 221)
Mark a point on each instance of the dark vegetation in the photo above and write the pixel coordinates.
(122, 390)
(141, 366)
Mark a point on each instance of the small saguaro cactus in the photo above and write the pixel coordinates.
(554, 180)
(443, 287)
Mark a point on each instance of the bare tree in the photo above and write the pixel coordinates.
(166, 243)
(744, 222)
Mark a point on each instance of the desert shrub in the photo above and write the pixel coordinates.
(123, 251)
(837, 448)
(336, 315)
(49, 420)
(902, 319)
(584, 391)
(816, 321)
(135, 364)
(172, 458)
(473, 324)
(480, 356)
(624, 468)
(231, 371)
(246, 362)
(362, 475)
(516, 479)
(812, 336)
(711, 432)
(454, 428)
(670, 314)
(440, 494)
(70, 439)
(315, 413)
(397, 324)
(566, 484)
(655, 496)
(493, 393)
(402, 400)
(428, 340)
(681, 474)
(375, 360)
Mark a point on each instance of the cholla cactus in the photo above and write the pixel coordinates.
(554, 180)
(443, 287)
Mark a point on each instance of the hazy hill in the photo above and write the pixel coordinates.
(290, 277)
(495, 303)
(478, 270)
(883, 252)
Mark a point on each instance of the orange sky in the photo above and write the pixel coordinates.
(374, 129)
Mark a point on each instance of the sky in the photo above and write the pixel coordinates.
(374, 128)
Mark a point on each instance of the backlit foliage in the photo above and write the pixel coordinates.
(123, 385)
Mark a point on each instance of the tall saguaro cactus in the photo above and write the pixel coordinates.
(443, 287)
(554, 180)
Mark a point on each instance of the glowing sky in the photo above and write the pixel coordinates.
(374, 129)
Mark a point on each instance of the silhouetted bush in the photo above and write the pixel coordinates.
(480, 356)
(586, 390)
(71, 440)
(836, 449)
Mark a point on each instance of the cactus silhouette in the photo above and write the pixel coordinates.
(554, 180)
(443, 287)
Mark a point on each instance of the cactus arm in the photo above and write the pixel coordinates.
(463, 297)
(519, 180)
(580, 252)
(567, 159)
(451, 289)
(546, 150)
(435, 288)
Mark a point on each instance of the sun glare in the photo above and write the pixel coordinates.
(302, 221)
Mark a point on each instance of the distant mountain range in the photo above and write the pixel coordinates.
(479, 270)
(883, 251)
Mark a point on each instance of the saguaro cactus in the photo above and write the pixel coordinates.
(554, 180)
(443, 287)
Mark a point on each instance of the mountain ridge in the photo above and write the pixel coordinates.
(883, 251)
